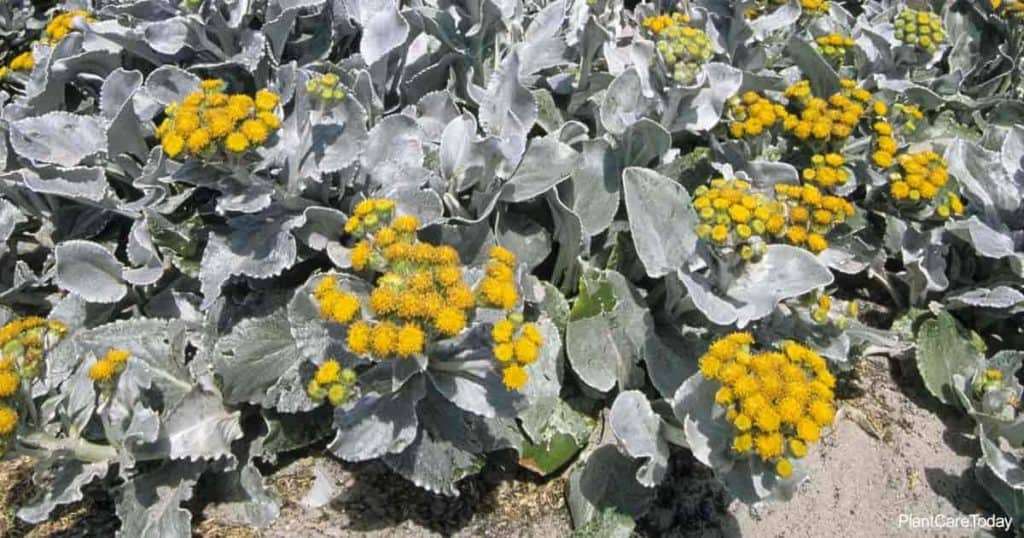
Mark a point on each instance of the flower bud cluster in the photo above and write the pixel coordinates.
(920, 28)
(333, 383)
(326, 88)
(22, 345)
(684, 48)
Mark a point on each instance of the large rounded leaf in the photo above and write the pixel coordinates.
(661, 220)
(89, 271)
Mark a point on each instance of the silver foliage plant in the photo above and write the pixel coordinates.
(561, 130)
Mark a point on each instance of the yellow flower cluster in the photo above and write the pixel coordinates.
(326, 88)
(921, 176)
(834, 46)
(516, 344)
(333, 383)
(23, 342)
(371, 215)
(832, 119)
(335, 304)
(921, 28)
(659, 23)
(817, 119)
(734, 216)
(684, 48)
(885, 144)
(826, 171)
(753, 114)
(60, 26)
(56, 30)
(421, 294)
(109, 366)
(777, 401)
(22, 62)
(10, 383)
(812, 7)
(209, 122)
(811, 214)
(498, 287)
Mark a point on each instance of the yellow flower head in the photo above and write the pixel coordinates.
(358, 338)
(514, 377)
(9, 383)
(784, 468)
(504, 352)
(450, 321)
(255, 131)
(23, 62)
(102, 370)
(266, 100)
(525, 350)
(8, 420)
(361, 255)
(410, 340)
(328, 372)
(531, 332)
(502, 331)
(383, 339)
(338, 394)
(173, 144)
(406, 223)
(236, 142)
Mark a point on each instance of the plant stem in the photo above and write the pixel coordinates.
(79, 448)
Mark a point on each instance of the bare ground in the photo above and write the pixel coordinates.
(894, 451)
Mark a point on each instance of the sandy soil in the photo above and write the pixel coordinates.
(894, 451)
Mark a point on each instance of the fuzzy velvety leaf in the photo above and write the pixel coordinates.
(943, 352)
(378, 424)
(985, 240)
(661, 219)
(434, 464)
(983, 177)
(596, 185)
(89, 271)
(393, 154)
(997, 298)
(58, 138)
(624, 103)
(708, 436)
(783, 272)
(63, 480)
(199, 427)
(547, 162)
(824, 80)
(638, 430)
(256, 246)
(606, 481)
(150, 505)
(259, 362)
(383, 32)
(700, 109)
